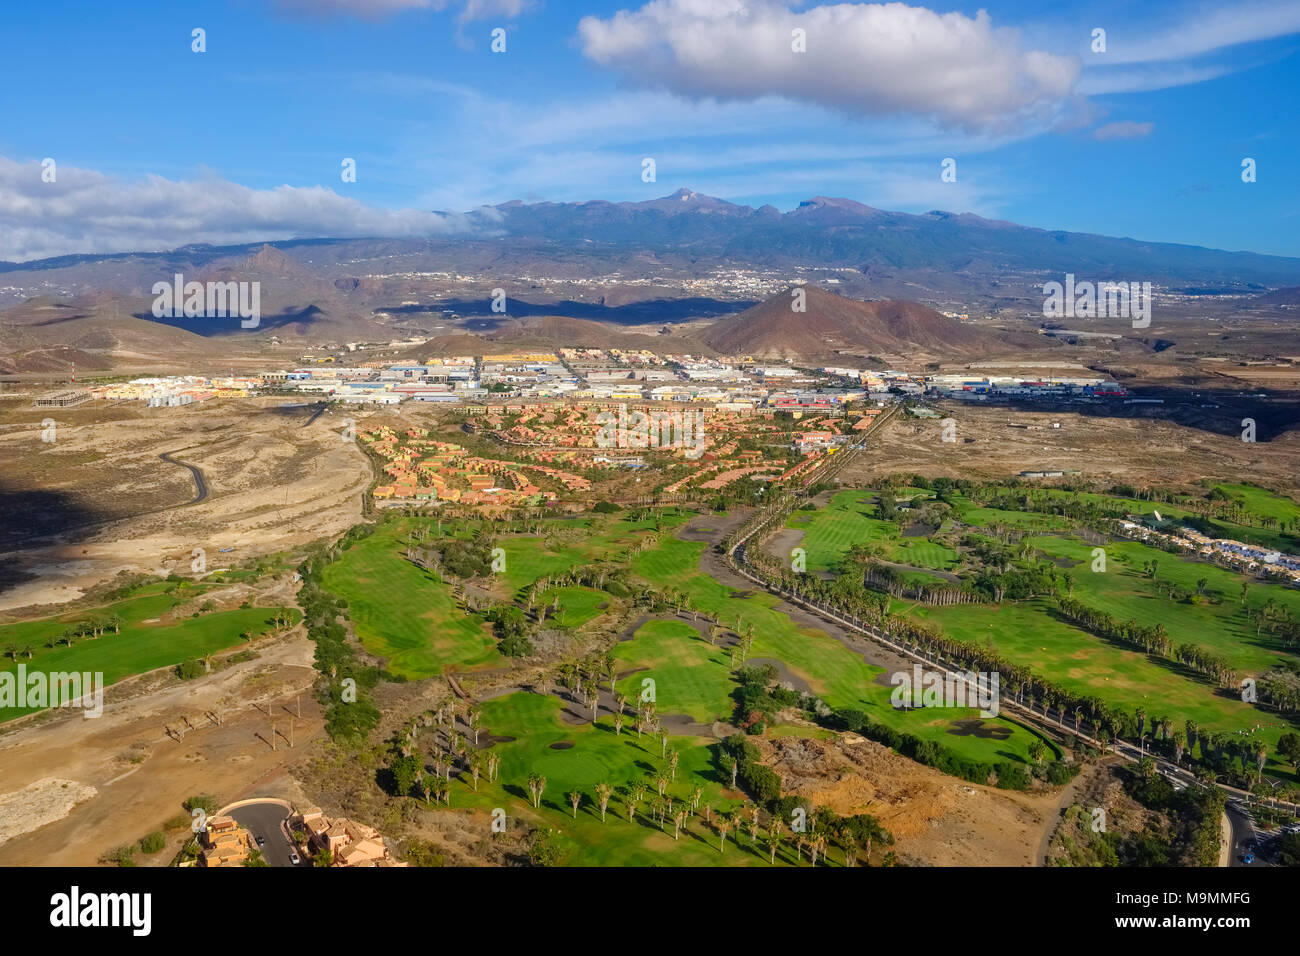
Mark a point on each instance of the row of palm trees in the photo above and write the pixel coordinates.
(90, 628)
(1030, 690)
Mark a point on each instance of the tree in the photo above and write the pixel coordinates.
(536, 787)
(773, 841)
(732, 768)
(1288, 746)
(603, 792)
(575, 798)
(324, 858)
(404, 770)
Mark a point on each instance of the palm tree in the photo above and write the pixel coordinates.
(724, 824)
(634, 797)
(610, 668)
(575, 798)
(818, 846)
(773, 840)
(618, 724)
(536, 787)
(732, 766)
(673, 759)
(603, 792)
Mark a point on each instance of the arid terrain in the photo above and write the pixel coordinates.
(99, 500)
(1000, 442)
(88, 786)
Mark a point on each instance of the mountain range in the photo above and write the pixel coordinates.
(577, 273)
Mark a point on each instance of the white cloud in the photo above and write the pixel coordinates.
(1124, 129)
(864, 59)
(86, 211)
(1203, 30)
(1139, 79)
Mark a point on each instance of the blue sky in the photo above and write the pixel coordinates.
(156, 145)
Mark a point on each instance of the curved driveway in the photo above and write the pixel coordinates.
(269, 821)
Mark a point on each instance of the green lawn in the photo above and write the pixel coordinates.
(690, 677)
(1125, 593)
(578, 604)
(144, 644)
(598, 755)
(403, 613)
(839, 676)
(1262, 502)
(847, 520)
(1030, 633)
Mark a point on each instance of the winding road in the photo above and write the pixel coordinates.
(200, 483)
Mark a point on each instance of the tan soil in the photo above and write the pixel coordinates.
(936, 820)
(272, 485)
(130, 776)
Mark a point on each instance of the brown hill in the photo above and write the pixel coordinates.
(833, 325)
(97, 332)
(557, 331)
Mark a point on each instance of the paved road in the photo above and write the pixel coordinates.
(316, 414)
(200, 483)
(1243, 833)
(264, 819)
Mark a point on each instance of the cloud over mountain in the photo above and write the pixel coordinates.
(866, 59)
(86, 211)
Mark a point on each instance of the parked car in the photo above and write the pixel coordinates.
(294, 858)
(1248, 858)
(261, 840)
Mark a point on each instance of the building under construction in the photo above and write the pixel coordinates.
(67, 399)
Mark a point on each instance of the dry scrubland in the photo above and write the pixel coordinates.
(1137, 451)
(110, 504)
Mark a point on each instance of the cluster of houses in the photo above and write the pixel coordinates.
(601, 375)
(348, 842)
(170, 391)
(425, 469)
(1250, 558)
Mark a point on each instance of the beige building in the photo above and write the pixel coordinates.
(225, 843)
(350, 843)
